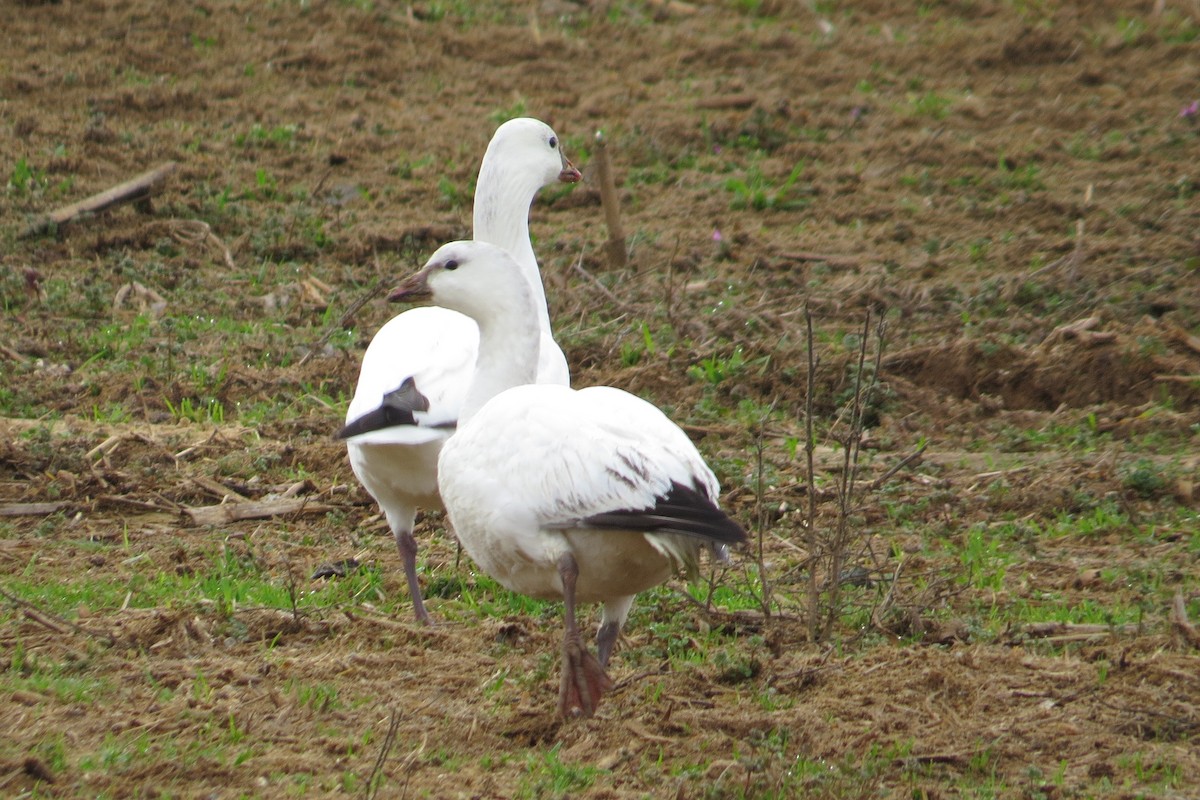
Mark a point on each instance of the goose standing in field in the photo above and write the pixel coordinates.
(416, 371)
(588, 496)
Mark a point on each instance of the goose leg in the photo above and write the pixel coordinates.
(583, 679)
(407, 546)
(606, 639)
(611, 622)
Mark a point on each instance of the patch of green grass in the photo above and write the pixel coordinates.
(320, 697)
(755, 192)
(1080, 436)
(1153, 771)
(409, 166)
(1097, 520)
(1131, 29)
(1177, 28)
(1145, 478)
(778, 772)
(502, 115)
(262, 136)
(25, 179)
(546, 776)
(483, 597)
(66, 682)
(226, 581)
(452, 195)
(1026, 177)
(717, 369)
(210, 411)
(930, 104)
(647, 344)
(985, 555)
(202, 43)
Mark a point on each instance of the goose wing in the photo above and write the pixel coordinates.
(596, 458)
(414, 377)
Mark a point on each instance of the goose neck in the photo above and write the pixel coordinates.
(508, 356)
(501, 217)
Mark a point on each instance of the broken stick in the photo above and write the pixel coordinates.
(258, 509)
(30, 509)
(139, 188)
(612, 207)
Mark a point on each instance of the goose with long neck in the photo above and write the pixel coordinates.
(418, 367)
(506, 224)
(584, 496)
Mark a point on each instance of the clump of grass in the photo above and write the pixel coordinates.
(547, 776)
(755, 192)
(1145, 479)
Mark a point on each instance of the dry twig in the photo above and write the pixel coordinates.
(51, 620)
(264, 509)
(361, 301)
(133, 190)
(30, 509)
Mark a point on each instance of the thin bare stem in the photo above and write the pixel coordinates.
(850, 453)
(814, 589)
(760, 514)
(354, 308)
(389, 741)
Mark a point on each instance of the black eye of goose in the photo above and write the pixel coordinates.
(553, 142)
(452, 264)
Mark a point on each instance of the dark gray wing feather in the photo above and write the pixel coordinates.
(399, 407)
(681, 510)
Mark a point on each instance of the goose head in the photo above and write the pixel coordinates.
(531, 147)
(474, 278)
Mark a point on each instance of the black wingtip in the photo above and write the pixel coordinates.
(399, 407)
(371, 421)
(681, 510)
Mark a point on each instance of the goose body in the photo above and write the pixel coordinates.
(585, 496)
(416, 371)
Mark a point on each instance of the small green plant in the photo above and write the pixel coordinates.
(1025, 177)
(1145, 478)
(930, 104)
(319, 697)
(501, 115)
(261, 135)
(717, 369)
(454, 197)
(202, 43)
(25, 179)
(265, 185)
(546, 776)
(203, 412)
(1131, 29)
(985, 557)
(756, 193)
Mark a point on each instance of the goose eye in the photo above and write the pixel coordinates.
(451, 264)
(553, 142)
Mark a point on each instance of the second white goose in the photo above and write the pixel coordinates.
(416, 371)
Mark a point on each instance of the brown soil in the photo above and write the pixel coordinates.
(988, 174)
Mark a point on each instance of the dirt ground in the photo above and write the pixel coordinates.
(1011, 185)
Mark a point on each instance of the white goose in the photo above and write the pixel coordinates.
(588, 496)
(416, 371)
